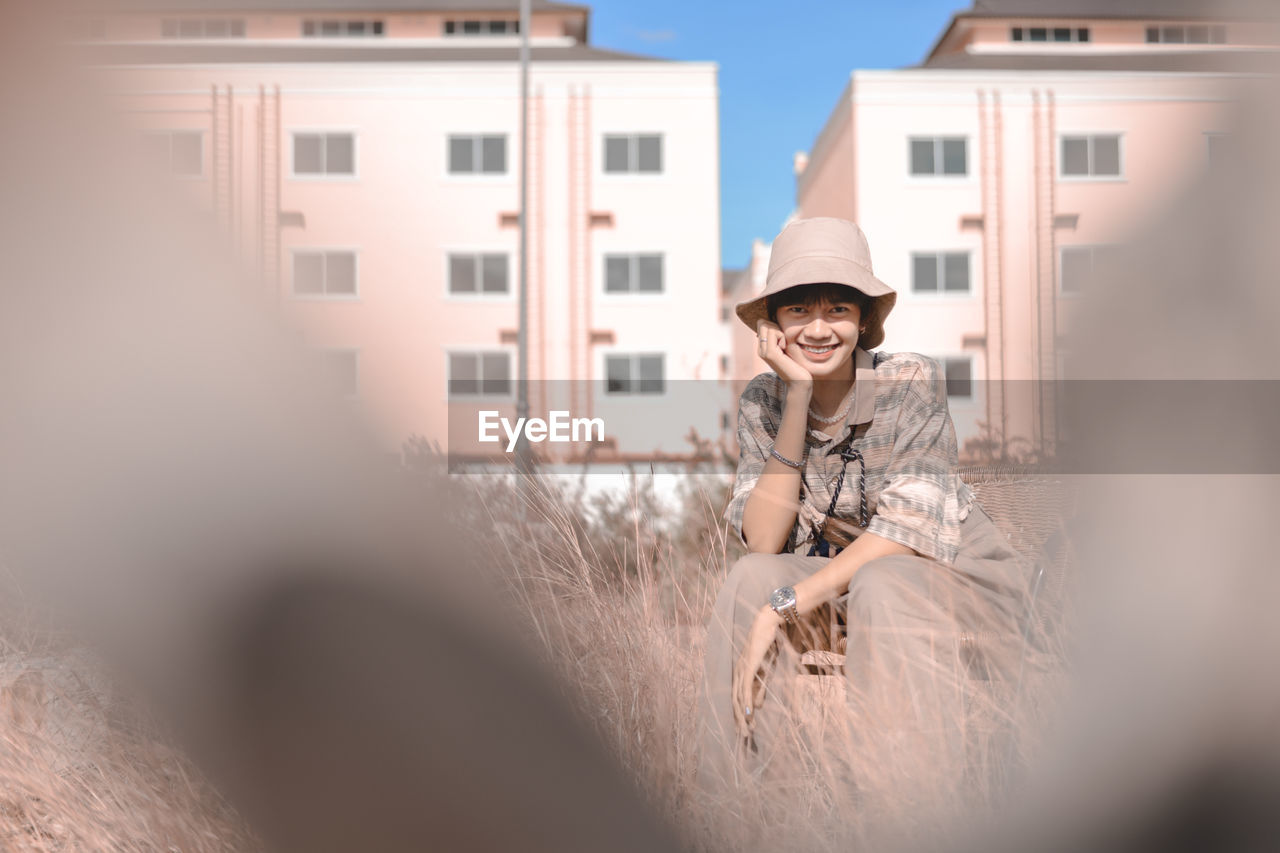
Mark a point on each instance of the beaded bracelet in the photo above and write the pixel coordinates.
(790, 463)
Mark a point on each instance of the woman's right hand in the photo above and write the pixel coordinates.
(772, 346)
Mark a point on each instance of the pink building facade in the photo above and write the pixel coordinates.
(365, 165)
(993, 177)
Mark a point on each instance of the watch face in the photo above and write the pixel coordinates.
(782, 597)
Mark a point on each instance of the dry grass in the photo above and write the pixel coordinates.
(617, 591)
(618, 598)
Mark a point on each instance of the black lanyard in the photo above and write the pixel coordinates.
(821, 547)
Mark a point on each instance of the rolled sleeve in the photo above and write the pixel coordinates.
(918, 504)
(754, 442)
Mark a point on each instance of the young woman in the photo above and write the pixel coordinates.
(846, 483)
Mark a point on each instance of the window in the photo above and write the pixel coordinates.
(635, 152)
(1078, 264)
(202, 28)
(942, 155)
(482, 28)
(1194, 34)
(959, 373)
(181, 152)
(940, 272)
(478, 154)
(479, 273)
(341, 29)
(634, 374)
(1066, 34)
(1090, 156)
(324, 273)
(633, 273)
(324, 154)
(480, 374)
(341, 367)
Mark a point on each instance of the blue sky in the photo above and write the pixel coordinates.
(782, 67)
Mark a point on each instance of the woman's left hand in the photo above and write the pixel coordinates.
(746, 692)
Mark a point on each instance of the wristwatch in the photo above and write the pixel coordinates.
(783, 602)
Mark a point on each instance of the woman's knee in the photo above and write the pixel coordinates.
(887, 579)
(754, 576)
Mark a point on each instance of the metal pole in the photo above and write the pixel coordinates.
(522, 333)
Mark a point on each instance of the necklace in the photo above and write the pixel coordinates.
(844, 410)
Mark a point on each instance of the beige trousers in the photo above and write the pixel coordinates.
(915, 626)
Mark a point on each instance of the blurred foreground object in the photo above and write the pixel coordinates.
(181, 489)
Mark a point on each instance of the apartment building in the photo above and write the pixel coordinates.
(991, 178)
(366, 164)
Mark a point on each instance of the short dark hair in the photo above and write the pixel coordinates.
(810, 294)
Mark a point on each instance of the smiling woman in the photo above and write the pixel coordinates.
(848, 499)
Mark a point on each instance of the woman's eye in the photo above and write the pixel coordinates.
(795, 309)
(839, 309)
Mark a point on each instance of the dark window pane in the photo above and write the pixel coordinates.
(1062, 34)
(616, 158)
(308, 272)
(1077, 267)
(462, 274)
(1218, 34)
(617, 274)
(1153, 35)
(340, 154)
(650, 273)
(308, 28)
(378, 28)
(1173, 35)
(216, 29)
(617, 374)
(355, 28)
(955, 266)
(237, 28)
(959, 377)
(187, 154)
(515, 27)
(650, 374)
(650, 153)
(450, 27)
(1015, 34)
(461, 154)
(308, 155)
(924, 273)
(954, 160)
(493, 154)
(922, 157)
(497, 27)
(494, 277)
(1039, 34)
(1198, 35)
(1075, 155)
(191, 28)
(169, 28)
(340, 273)
(1082, 34)
(495, 373)
(471, 27)
(464, 373)
(331, 28)
(1106, 155)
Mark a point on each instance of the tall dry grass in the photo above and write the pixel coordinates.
(615, 590)
(618, 589)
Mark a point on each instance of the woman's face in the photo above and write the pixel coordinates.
(821, 337)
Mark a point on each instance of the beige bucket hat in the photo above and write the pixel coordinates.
(820, 250)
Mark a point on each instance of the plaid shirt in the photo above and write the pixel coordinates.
(914, 495)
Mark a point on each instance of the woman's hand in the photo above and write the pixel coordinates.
(748, 690)
(772, 346)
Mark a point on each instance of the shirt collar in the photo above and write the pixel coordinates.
(864, 388)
